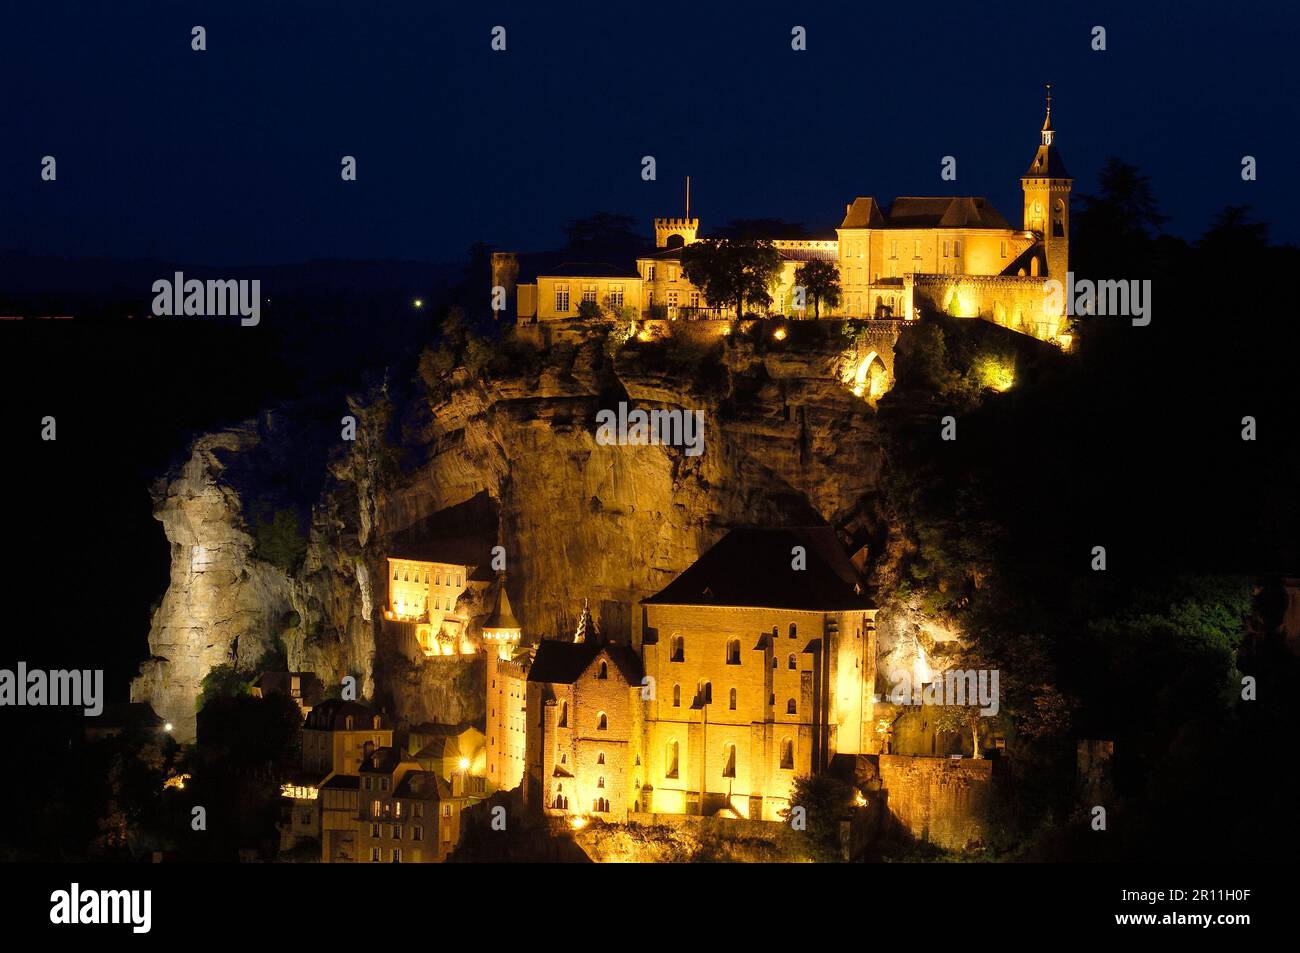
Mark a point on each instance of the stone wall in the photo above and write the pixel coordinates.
(1009, 301)
(942, 801)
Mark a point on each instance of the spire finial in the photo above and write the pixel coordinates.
(1049, 100)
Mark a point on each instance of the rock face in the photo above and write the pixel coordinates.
(222, 605)
(785, 442)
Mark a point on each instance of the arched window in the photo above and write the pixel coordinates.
(670, 760)
(789, 707)
(604, 670)
(733, 699)
(776, 662)
(600, 805)
(733, 651)
(600, 782)
(729, 762)
(677, 696)
(793, 664)
(600, 759)
(602, 723)
(704, 693)
(395, 574)
(787, 754)
(794, 630)
(564, 715)
(678, 653)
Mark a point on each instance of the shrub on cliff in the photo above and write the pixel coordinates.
(279, 538)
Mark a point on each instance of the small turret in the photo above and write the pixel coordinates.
(501, 626)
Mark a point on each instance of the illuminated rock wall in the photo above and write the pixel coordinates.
(940, 800)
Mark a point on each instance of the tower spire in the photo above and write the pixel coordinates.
(1047, 123)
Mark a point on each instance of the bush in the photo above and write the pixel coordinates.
(279, 538)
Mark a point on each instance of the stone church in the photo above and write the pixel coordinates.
(755, 666)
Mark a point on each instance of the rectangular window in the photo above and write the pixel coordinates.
(893, 248)
(616, 296)
(695, 299)
(649, 272)
(374, 809)
(672, 299)
(916, 248)
(956, 248)
(397, 855)
(397, 832)
(446, 810)
(1002, 247)
(374, 855)
(374, 830)
(417, 833)
(945, 248)
(561, 298)
(588, 294)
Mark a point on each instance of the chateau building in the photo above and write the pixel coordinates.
(953, 254)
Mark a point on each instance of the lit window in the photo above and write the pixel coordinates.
(561, 298)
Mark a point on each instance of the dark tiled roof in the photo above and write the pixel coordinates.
(960, 211)
(563, 662)
(863, 213)
(331, 715)
(753, 568)
(501, 616)
(382, 761)
(422, 786)
(1047, 162)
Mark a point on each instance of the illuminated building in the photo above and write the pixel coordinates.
(507, 671)
(407, 815)
(954, 254)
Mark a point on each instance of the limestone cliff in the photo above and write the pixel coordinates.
(785, 441)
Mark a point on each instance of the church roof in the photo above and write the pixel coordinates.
(1048, 164)
(502, 616)
(564, 662)
(753, 568)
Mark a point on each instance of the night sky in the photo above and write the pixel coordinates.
(231, 156)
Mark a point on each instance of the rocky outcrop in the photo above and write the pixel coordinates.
(785, 441)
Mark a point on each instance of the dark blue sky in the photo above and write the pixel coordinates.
(232, 155)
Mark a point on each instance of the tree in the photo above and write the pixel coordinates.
(1115, 227)
(821, 282)
(732, 272)
(825, 801)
